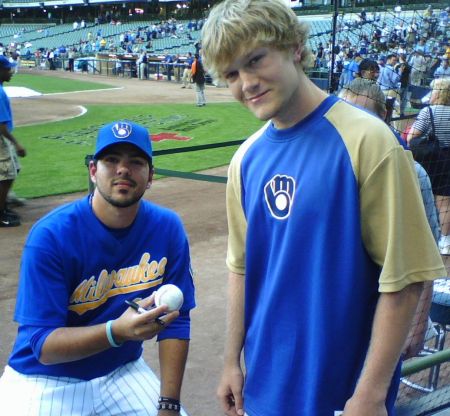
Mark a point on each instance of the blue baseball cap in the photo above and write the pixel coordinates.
(124, 132)
(5, 63)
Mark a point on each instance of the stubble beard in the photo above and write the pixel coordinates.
(120, 203)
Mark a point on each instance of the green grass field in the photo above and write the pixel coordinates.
(56, 151)
(49, 85)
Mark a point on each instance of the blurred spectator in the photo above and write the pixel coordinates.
(71, 57)
(187, 71)
(443, 70)
(369, 69)
(389, 78)
(418, 68)
(198, 76)
(405, 77)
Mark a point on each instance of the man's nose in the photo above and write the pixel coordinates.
(249, 81)
(123, 166)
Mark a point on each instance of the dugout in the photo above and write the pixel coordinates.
(116, 64)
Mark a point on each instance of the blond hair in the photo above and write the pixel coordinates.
(441, 91)
(236, 26)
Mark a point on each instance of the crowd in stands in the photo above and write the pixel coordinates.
(404, 50)
(95, 37)
(419, 44)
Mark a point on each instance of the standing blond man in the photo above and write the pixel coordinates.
(324, 279)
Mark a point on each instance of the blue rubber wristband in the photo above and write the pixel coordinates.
(110, 335)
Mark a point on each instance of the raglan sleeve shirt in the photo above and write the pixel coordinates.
(394, 227)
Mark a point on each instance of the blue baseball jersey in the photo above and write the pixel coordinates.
(75, 271)
(5, 109)
(322, 217)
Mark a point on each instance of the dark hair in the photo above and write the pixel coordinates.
(368, 65)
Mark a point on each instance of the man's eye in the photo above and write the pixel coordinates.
(230, 76)
(255, 60)
(138, 162)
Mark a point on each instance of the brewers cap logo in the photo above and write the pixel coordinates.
(122, 130)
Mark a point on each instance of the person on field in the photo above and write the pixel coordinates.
(322, 290)
(10, 148)
(78, 349)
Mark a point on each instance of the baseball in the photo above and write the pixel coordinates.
(169, 295)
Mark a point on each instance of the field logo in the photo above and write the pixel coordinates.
(168, 136)
(166, 126)
(122, 130)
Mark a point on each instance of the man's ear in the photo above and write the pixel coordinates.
(93, 171)
(298, 54)
(150, 176)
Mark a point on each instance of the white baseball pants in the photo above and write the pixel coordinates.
(131, 390)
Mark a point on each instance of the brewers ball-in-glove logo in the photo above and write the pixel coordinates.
(279, 193)
(121, 130)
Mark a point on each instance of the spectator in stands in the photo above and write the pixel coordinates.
(384, 37)
(102, 44)
(350, 70)
(428, 11)
(405, 77)
(411, 33)
(421, 46)
(418, 68)
(320, 55)
(443, 21)
(439, 169)
(369, 69)
(447, 50)
(401, 50)
(443, 70)
(389, 78)
(337, 68)
(400, 31)
(363, 45)
(366, 94)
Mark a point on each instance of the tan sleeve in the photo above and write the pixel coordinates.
(237, 223)
(395, 229)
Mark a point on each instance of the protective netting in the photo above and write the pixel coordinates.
(396, 65)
